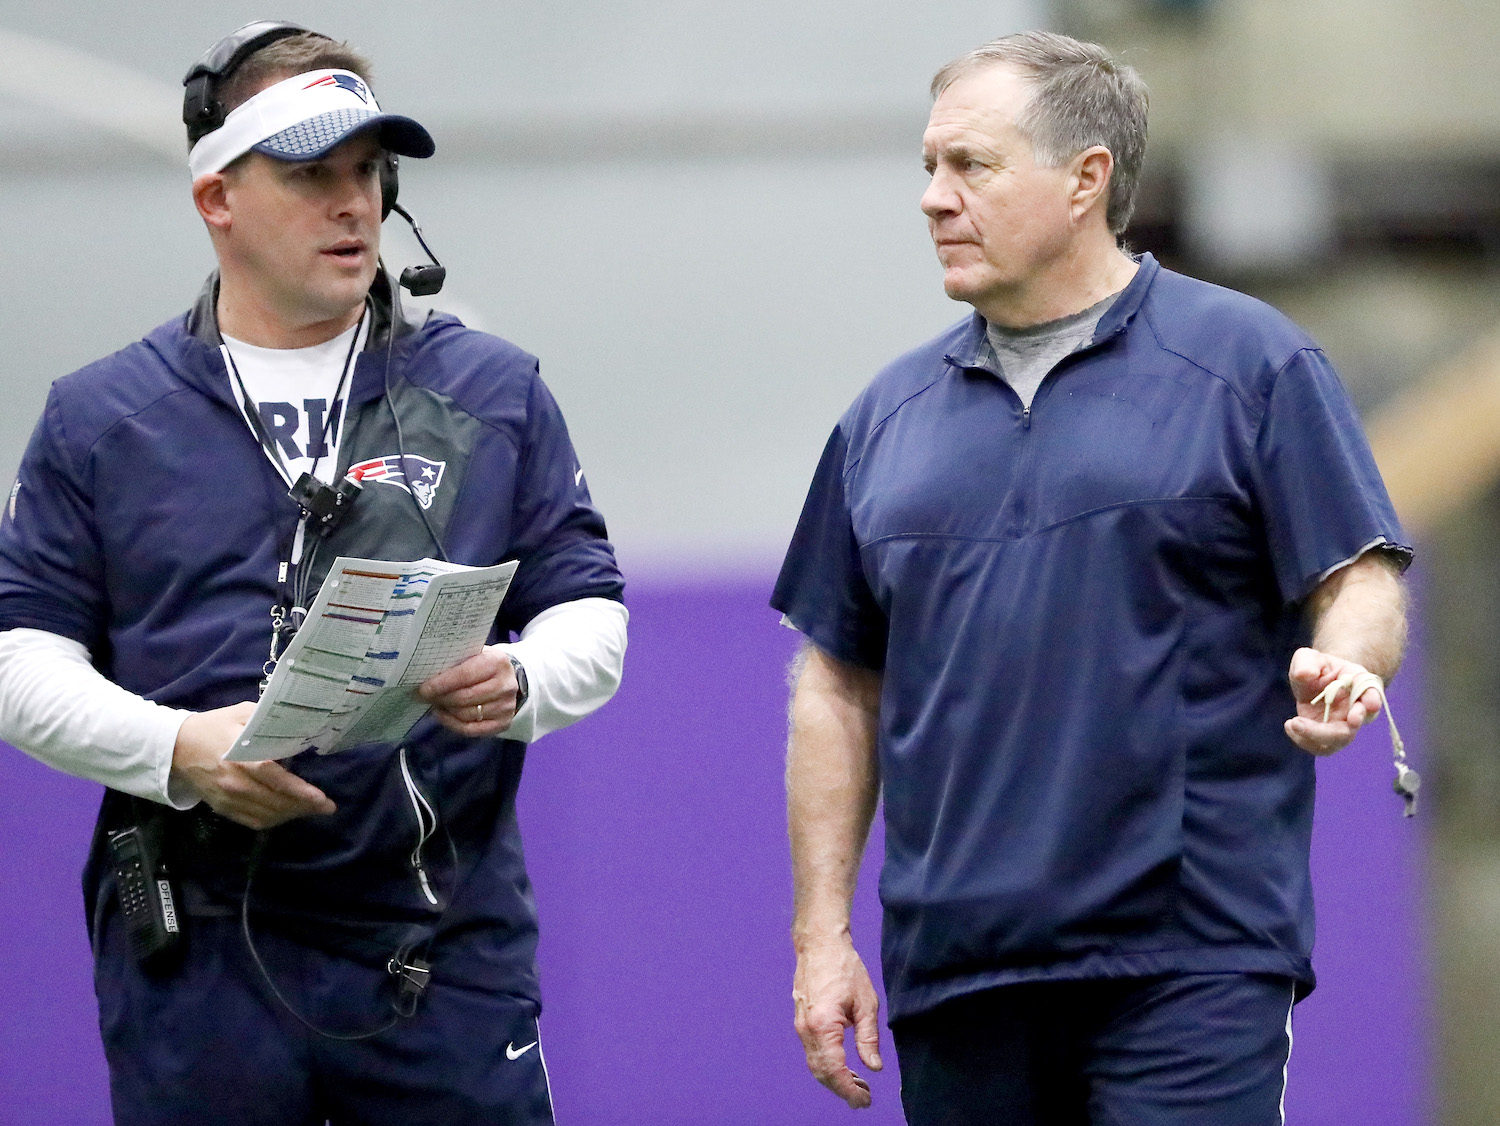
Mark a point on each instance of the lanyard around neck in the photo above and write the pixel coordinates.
(257, 424)
(286, 612)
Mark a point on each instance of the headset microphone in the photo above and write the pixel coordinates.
(421, 281)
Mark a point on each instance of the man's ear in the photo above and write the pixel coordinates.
(1088, 180)
(211, 197)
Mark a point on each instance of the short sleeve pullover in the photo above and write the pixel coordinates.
(1083, 613)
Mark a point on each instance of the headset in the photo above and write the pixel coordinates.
(203, 112)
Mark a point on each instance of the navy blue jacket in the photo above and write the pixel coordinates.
(149, 525)
(1084, 614)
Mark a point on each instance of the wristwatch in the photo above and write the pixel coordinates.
(523, 689)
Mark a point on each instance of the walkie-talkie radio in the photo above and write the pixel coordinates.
(147, 901)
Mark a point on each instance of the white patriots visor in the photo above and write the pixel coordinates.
(304, 117)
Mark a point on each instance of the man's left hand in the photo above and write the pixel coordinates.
(1312, 671)
(475, 697)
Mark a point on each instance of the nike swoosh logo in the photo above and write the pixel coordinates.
(514, 1053)
(578, 477)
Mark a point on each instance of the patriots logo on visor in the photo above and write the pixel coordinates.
(417, 475)
(345, 82)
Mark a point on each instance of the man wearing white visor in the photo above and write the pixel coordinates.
(341, 938)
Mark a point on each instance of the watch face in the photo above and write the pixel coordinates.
(523, 689)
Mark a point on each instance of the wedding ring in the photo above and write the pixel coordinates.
(480, 717)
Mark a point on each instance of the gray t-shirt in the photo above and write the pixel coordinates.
(1024, 356)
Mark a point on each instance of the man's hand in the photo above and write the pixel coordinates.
(832, 786)
(476, 697)
(258, 795)
(832, 991)
(1310, 673)
(1359, 610)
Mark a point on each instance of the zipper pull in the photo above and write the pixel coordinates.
(1025, 418)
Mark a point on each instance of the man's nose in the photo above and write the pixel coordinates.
(357, 194)
(940, 198)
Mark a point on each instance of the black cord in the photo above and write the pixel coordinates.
(390, 346)
(304, 575)
(416, 230)
(405, 963)
(458, 878)
(257, 851)
(412, 969)
(442, 785)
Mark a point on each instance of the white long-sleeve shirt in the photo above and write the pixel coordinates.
(58, 708)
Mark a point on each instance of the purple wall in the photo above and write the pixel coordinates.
(656, 841)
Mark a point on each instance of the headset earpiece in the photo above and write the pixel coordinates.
(390, 186)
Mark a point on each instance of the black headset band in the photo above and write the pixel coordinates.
(202, 111)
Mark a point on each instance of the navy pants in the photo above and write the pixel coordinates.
(1190, 1050)
(209, 1043)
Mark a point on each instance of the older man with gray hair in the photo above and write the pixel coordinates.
(1083, 581)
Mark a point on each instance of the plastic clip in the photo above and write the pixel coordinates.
(414, 976)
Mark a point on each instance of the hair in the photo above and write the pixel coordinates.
(1081, 97)
(280, 59)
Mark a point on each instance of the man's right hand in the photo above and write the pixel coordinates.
(257, 795)
(832, 990)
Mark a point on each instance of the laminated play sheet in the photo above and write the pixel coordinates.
(375, 632)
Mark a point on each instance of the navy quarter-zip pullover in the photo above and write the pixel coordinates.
(1083, 612)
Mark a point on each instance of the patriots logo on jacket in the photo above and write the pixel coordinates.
(343, 81)
(417, 475)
